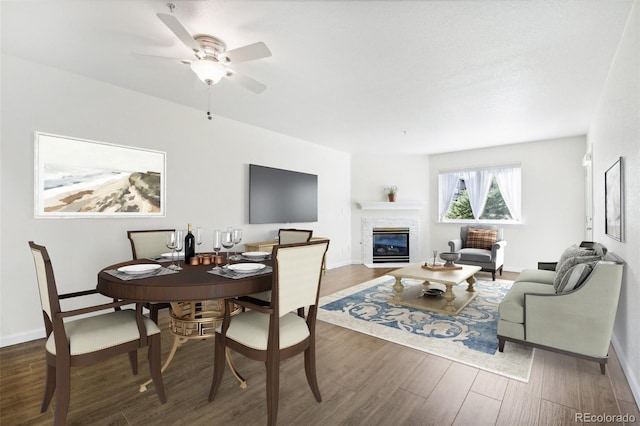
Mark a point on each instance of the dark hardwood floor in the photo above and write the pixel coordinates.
(363, 380)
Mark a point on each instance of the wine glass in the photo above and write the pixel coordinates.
(198, 237)
(227, 242)
(217, 244)
(171, 244)
(179, 247)
(237, 237)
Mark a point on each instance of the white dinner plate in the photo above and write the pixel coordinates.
(256, 254)
(244, 268)
(141, 268)
(170, 255)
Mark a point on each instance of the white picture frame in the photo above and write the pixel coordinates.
(614, 201)
(79, 178)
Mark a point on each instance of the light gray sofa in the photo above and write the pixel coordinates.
(569, 309)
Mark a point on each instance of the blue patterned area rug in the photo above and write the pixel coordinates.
(469, 337)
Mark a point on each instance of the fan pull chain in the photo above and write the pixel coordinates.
(209, 104)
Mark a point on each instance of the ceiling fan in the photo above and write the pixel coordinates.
(212, 59)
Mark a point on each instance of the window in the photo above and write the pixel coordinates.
(480, 195)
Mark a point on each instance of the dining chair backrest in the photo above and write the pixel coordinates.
(46, 283)
(148, 243)
(292, 236)
(297, 273)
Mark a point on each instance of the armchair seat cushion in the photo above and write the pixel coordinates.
(252, 329)
(99, 332)
(512, 306)
(475, 255)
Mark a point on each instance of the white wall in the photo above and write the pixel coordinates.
(615, 132)
(552, 197)
(370, 173)
(207, 172)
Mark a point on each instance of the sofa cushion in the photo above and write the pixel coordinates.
(573, 251)
(512, 306)
(570, 263)
(600, 249)
(537, 276)
(481, 238)
(575, 277)
(475, 255)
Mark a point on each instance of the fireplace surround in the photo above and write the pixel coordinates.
(411, 223)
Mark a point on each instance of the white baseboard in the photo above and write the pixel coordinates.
(339, 264)
(628, 371)
(18, 338)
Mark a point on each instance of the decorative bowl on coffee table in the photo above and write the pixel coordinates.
(449, 258)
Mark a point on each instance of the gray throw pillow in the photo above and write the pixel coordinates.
(575, 277)
(574, 251)
(570, 263)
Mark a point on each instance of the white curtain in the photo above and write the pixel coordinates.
(478, 184)
(509, 182)
(448, 184)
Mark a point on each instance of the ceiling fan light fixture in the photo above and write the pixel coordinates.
(208, 71)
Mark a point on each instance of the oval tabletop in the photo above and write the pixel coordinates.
(193, 283)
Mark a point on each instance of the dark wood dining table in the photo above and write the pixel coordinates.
(193, 283)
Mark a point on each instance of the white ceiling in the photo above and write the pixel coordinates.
(406, 76)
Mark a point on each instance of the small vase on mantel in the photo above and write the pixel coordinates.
(391, 192)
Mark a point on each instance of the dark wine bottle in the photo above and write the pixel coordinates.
(189, 246)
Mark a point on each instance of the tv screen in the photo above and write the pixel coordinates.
(282, 196)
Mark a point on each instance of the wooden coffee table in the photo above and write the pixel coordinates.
(451, 302)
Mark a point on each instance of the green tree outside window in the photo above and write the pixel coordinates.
(495, 209)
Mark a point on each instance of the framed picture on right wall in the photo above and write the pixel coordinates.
(614, 199)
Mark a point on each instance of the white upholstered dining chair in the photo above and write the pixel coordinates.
(292, 236)
(148, 244)
(286, 236)
(274, 331)
(90, 339)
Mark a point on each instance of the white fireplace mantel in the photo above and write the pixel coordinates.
(387, 205)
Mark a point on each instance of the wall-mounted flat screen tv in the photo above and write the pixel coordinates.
(282, 196)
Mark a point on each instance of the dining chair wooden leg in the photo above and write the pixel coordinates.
(133, 360)
(49, 387)
(153, 356)
(153, 312)
(273, 388)
(218, 366)
(310, 371)
(63, 391)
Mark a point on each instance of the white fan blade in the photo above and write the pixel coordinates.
(248, 53)
(183, 35)
(246, 82)
(184, 61)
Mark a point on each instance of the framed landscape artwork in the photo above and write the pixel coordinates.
(614, 216)
(81, 178)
